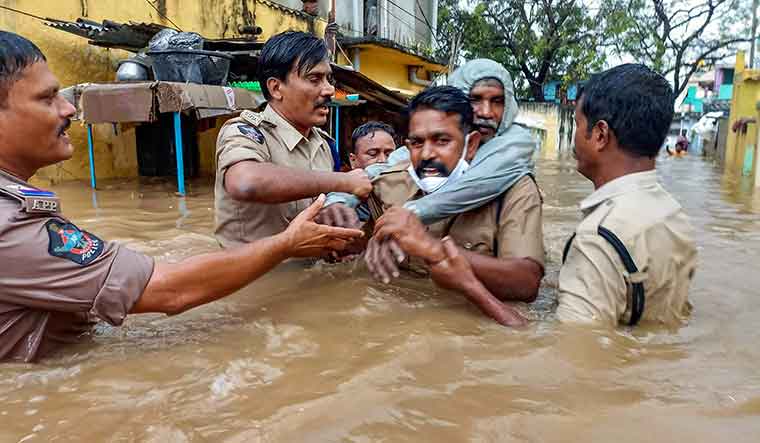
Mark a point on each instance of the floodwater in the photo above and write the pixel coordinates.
(325, 354)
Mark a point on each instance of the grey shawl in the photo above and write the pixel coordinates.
(497, 165)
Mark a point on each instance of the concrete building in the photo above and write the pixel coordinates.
(741, 152)
(386, 56)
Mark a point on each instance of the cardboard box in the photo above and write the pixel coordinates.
(143, 101)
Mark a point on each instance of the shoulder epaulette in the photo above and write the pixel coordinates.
(252, 118)
(32, 200)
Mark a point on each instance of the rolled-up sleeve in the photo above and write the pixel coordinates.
(54, 266)
(234, 146)
(127, 278)
(521, 223)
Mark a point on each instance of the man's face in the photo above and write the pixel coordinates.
(33, 122)
(436, 141)
(304, 98)
(487, 98)
(372, 148)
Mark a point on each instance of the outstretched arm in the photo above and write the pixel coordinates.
(269, 183)
(175, 288)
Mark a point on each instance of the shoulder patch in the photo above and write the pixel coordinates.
(251, 132)
(69, 242)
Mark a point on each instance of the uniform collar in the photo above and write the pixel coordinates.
(10, 177)
(621, 185)
(287, 132)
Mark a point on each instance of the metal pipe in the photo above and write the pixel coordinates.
(356, 56)
(91, 153)
(358, 25)
(413, 79)
(434, 19)
(178, 149)
(754, 35)
(337, 138)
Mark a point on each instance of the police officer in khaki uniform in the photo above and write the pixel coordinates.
(57, 279)
(502, 239)
(633, 256)
(271, 165)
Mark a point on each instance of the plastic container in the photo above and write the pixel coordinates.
(191, 66)
(251, 86)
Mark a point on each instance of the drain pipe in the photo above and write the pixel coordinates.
(413, 79)
(356, 59)
(358, 27)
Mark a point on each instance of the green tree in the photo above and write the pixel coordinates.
(677, 37)
(542, 40)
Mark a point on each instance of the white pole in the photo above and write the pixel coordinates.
(754, 35)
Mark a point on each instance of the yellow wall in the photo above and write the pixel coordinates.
(554, 123)
(743, 104)
(389, 67)
(74, 61)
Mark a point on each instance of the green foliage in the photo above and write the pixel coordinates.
(677, 37)
(538, 41)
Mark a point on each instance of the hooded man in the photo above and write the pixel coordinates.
(503, 159)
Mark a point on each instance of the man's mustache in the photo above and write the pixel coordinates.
(323, 102)
(64, 126)
(432, 164)
(486, 123)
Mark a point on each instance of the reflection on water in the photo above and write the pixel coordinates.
(326, 354)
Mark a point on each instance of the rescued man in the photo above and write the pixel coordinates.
(632, 257)
(271, 165)
(371, 143)
(501, 239)
(504, 160)
(57, 279)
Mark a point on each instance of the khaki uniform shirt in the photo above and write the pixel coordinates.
(518, 234)
(55, 279)
(262, 137)
(594, 286)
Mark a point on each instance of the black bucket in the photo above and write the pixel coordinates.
(191, 66)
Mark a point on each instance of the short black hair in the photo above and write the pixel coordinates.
(286, 50)
(446, 99)
(16, 54)
(370, 128)
(637, 104)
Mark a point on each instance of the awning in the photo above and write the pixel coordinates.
(143, 101)
(134, 37)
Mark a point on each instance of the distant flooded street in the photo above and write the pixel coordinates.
(326, 354)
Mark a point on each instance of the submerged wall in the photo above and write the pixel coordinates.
(553, 123)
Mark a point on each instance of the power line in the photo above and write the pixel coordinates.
(427, 22)
(163, 15)
(403, 22)
(24, 13)
(424, 22)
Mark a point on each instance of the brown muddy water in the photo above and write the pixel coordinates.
(325, 354)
